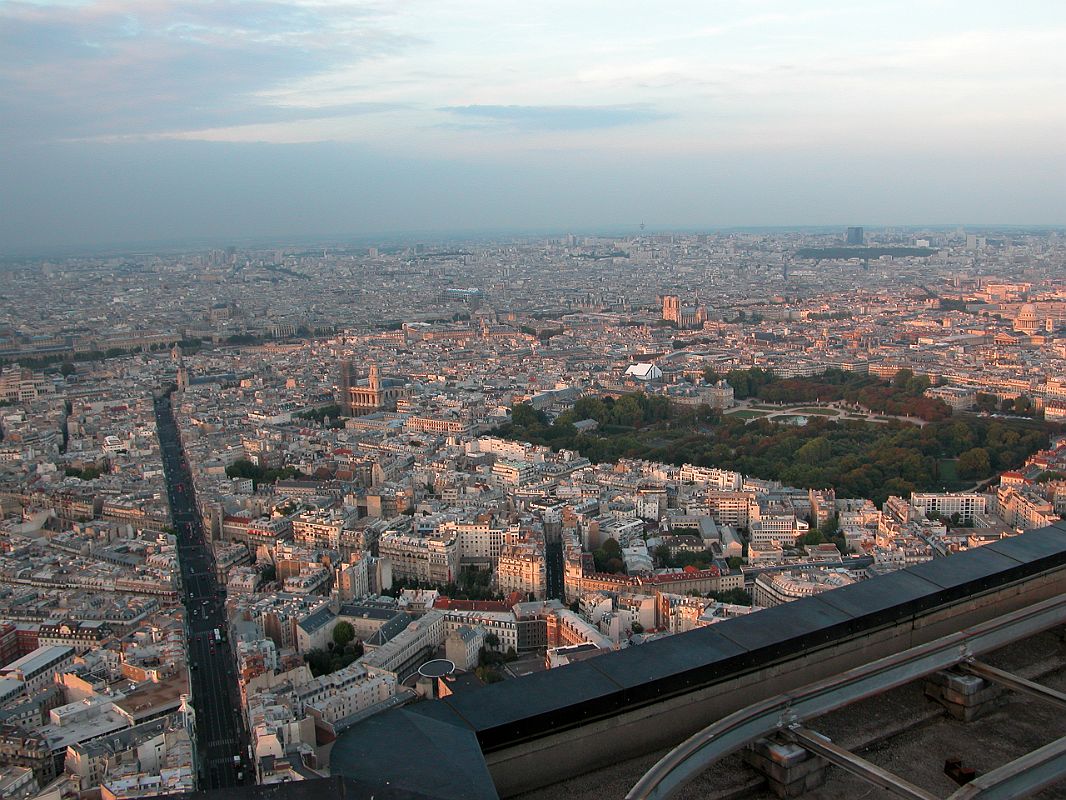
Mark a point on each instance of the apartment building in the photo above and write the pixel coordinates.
(776, 588)
(778, 525)
(521, 568)
(947, 505)
(431, 559)
(731, 508)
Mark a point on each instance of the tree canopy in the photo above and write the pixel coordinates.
(243, 468)
(343, 632)
(856, 457)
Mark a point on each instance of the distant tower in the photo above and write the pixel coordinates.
(855, 235)
(183, 377)
(375, 378)
(672, 308)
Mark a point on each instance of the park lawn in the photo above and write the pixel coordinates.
(825, 412)
(949, 475)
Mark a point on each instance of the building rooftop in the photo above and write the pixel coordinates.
(316, 620)
(38, 658)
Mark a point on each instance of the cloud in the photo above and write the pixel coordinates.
(542, 118)
(111, 68)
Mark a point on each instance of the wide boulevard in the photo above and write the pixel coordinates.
(222, 741)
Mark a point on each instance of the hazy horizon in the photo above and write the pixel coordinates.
(387, 240)
(171, 120)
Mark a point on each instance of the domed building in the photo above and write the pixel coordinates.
(1026, 321)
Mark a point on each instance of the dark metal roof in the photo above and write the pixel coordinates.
(666, 657)
(316, 620)
(407, 752)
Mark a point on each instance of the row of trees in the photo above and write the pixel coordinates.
(737, 597)
(472, 584)
(1020, 405)
(630, 411)
(86, 473)
(332, 412)
(243, 468)
(682, 559)
(67, 361)
(903, 396)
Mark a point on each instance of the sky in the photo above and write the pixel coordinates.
(163, 120)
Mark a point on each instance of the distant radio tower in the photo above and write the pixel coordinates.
(642, 224)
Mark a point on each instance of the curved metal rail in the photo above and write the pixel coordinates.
(701, 750)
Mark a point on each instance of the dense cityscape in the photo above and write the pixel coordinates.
(253, 498)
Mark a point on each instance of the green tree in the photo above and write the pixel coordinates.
(737, 597)
(902, 377)
(959, 437)
(816, 451)
(812, 538)
(488, 674)
(332, 411)
(627, 411)
(974, 463)
(662, 556)
(324, 662)
(525, 416)
(67, 368)
(492, 641)
(589, 408)
(343, 632)
(917, 385)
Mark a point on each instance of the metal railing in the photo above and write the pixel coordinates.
(787, 711)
